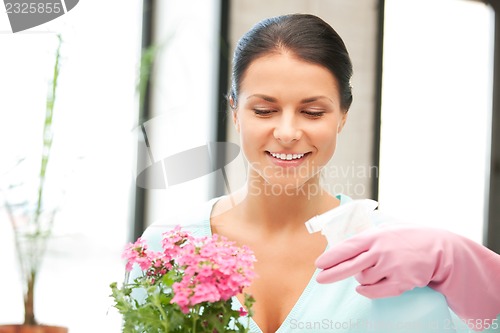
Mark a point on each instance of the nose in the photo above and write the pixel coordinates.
(286, 130)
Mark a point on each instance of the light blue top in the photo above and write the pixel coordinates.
(337, 307)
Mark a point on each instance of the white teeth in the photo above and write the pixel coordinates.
(287, 157)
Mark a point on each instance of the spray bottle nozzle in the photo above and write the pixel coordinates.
(343, 221)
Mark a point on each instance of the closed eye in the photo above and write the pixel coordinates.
(314, 114)
(263, 112)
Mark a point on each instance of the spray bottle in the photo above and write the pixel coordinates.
(418, 310)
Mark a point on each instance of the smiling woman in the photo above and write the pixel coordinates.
(289, 102)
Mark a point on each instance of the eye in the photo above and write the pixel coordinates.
(313, 114)
(263, 112)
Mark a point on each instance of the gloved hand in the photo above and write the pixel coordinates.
(391, 259)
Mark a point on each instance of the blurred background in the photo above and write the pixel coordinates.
(421, 136)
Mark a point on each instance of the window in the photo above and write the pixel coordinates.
(184, 97)
(436, 112)
(92, 156)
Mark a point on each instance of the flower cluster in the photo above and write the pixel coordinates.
(189, 285)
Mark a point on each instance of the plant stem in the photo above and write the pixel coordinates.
(248, 325)
(47, 134)
(193, 329)
(29, 313)
(164, 322)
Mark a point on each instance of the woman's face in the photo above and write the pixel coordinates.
(288, 117)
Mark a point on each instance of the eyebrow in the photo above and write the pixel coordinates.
(274, 100)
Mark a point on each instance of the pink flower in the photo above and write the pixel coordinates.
(211, 268)
(173, 240)
(242, 311)
(214, 269)
(205, 271)
(136, 253)
(206, 292)
(181, 297)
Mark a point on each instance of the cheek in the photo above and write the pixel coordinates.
(326, 139)
(253, 130)
(250, 138)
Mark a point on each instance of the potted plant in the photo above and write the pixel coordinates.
(32, 221)
(187, 287)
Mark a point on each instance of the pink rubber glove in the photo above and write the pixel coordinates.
(391, 259)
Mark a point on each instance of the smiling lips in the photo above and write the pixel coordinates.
(287, 157)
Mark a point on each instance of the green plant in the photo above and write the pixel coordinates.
(31, 220)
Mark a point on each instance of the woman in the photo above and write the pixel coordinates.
(290, 98)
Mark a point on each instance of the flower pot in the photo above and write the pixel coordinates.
(32, 329)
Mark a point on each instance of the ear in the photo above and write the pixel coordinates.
(234, 112)
(236, 121)
(342, 121)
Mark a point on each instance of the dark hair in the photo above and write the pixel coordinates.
(307, 36)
